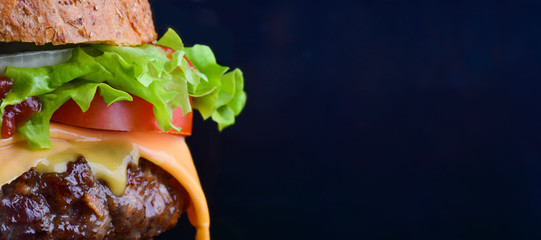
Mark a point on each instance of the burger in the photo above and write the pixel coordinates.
(95, 110)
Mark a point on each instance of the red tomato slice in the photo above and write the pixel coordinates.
(137, 115)
(169, 52)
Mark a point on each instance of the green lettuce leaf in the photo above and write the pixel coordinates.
(171, 39)
(118, 71)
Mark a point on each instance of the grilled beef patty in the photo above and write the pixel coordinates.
(73, 205)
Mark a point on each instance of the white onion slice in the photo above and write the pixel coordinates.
(34, 59)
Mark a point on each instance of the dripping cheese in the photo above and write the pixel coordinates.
(117, 149)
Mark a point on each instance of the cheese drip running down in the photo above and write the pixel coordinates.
(167, 151)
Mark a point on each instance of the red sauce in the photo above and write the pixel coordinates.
(15, 115)
(5, 86)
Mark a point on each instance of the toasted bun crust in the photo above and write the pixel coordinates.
(118, 22)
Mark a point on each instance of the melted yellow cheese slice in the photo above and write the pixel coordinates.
(108, 159)
(102, 149)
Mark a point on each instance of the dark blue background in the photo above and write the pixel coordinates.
(371, 119)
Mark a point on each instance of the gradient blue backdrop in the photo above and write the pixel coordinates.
(371, 119)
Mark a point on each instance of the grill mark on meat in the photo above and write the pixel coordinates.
(72, 205)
